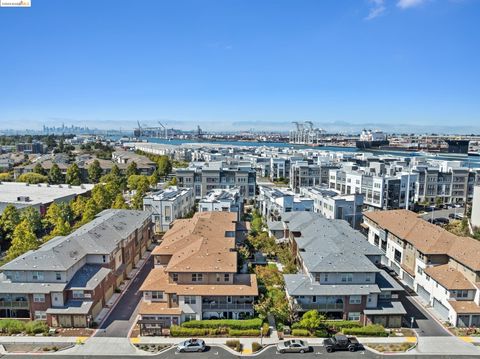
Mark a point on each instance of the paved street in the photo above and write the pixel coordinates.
(121, 318)
(442, 213)
(270, 353)
(424, 324)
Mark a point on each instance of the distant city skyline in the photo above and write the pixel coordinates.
(396, 65)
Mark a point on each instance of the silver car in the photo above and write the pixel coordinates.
(191, 345)
(293, 346)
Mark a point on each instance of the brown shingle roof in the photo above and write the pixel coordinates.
(243, 284)
(427, 237)
(158, 308)
(465, 306)
(200, 244)
(449, 277)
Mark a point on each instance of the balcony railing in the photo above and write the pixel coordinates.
(13, 304)
(227, 306)
(321, 306)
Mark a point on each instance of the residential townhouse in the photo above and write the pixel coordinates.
(273, 202)
(333, 205)
(167, 205)
(475, 218)
(68, 280)
(222, 200)
(203, 177)
(445, 183)
(339, 272)
(442, 268)
(195, 274)
(306, 174)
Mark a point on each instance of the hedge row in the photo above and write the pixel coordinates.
(14, 326)
(225, 323)
(340, 324)
(244, 332)
(176, 331)
(300, 333)
(373, 330)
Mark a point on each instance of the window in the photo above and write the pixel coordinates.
(355, 299)
(325, 277)
(58, 276)
(175, 277)
(157, 295)
(190, 300)
(419, 270)
(77, 294)
(354, 316)
(347, 277)
(189, 317)
(461, 293)
(197, 277)
(40, 315)
(226, 277)
(39, 298)
(37, 275)
(104, 258)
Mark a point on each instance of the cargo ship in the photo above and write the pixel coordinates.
(372, 140)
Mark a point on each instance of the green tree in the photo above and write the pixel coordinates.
(119, 202)
(78, 206)
(94, 171)
(132, 169)
(101, 197)
(55, 176)
(51, 216)
(9, 219)
(90, 211)
(32, 178)
(33, 218)
(138, 183)
(137, 199)
(172, 182)
(73, 175)
(311, 320)
(62, 228)
(23, 240)
(154, 179)
(39, 169)
(164, 165)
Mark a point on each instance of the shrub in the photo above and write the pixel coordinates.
(280, 327)
(234, 344)
(177, 331)
(256, 347)
(300, 333)
(244, 332)
(374, 330)
(36, 327)
(265, 329)
(225, 323)
(11, 326)
(340, 324)
(321, 333)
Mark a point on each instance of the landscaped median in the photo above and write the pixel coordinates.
(221, 328)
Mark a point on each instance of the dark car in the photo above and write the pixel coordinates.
(441, 220)
(341, 342)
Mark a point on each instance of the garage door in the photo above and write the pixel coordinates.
(440, 309)
(395, 267)
(79, 321)
(408, 279)
(423, 294)
(65, 321)
(108, 294)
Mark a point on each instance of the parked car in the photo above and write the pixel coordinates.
(457, 216)
(191, 345)
(441, 220)
(341, 342)
(293, 346)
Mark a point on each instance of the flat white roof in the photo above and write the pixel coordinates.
(36, 193)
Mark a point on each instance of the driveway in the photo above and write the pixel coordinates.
(424, 324)
(442, 213)
(121, 318)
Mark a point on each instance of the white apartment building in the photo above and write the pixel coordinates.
(333, 205)
(475, 218)
(274, 201)
(168, 205)
(222, 200)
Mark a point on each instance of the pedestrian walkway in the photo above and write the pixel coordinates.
(445, 346)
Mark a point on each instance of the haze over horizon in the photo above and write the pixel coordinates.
(396, 65)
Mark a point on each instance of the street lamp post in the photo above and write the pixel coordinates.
(261, 336)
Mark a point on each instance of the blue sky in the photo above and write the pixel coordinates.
(240, 63)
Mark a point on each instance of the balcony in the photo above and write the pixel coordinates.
(224, 305)
(322, 307)
(13, 304)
